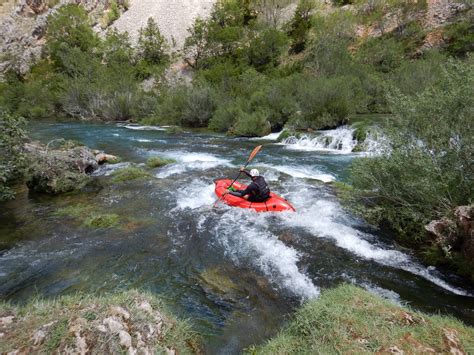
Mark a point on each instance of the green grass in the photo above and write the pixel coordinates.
(155, 162)
(63, 318)
(348, 319)
(128, 174)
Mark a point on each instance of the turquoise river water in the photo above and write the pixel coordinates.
(237, 275)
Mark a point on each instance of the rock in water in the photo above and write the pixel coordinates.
(59, 170)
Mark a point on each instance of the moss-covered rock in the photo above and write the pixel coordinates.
(128, 174)
(55, 171)
(125, 322)
(102, 220)
(348, 319)
(156, 162)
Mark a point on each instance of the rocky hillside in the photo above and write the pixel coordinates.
(23, 23)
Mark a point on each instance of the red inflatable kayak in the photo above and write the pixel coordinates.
(274, 204)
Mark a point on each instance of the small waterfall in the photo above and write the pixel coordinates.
(339, 140)
(375, 144)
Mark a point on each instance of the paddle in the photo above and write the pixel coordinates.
(251, 156)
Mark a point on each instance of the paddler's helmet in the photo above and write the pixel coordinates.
(254, 173)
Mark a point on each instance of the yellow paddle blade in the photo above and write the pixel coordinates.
(254, 153)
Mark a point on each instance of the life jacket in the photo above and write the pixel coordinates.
(263, 190)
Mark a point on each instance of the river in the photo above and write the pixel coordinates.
(237, 275)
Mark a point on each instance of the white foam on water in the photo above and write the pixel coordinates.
(189, 161)
(376, 144)
(383, 292)
(318, 217)
(339, 140)
(269, 137)
(195, 195)
(248, 243)
(143, 128)
(302, 172)
(108, 169)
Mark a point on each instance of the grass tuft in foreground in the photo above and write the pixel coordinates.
(125, 322)
(350, 320)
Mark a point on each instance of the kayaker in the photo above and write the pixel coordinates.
(257, 191)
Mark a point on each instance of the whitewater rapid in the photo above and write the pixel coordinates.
(247, 238)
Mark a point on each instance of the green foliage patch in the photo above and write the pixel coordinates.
(12, 157)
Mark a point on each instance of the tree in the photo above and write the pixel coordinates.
(196, 45)
(152, 47)
(69, 28)
(300, 25)
(265, 49)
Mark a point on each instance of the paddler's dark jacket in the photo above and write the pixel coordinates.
(258, 189)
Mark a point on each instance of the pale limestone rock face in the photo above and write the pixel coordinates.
(173, 17)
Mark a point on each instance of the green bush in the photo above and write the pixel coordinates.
(113, 13)
(265, 49)
(12, 158)
(185, 106)
(414, 76)
(225, 115)
(299, 26)
(384, 54)
(325, 102)
(460, 37)
(68, 28)
(251, 124)
(425, 173)
(152, 47)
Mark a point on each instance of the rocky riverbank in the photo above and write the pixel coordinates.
(132, 322)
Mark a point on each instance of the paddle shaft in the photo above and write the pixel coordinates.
(240, 173)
